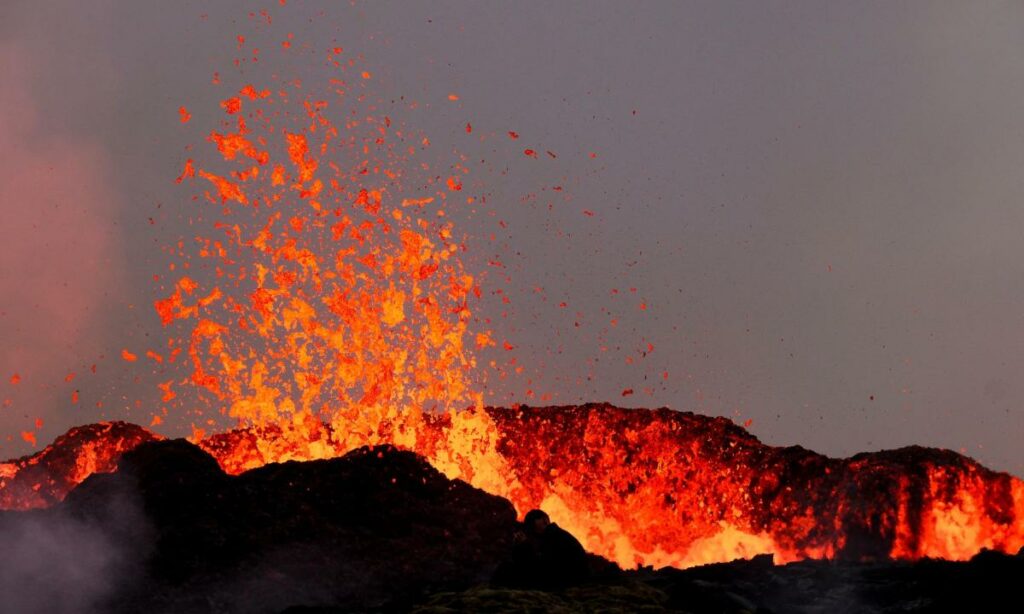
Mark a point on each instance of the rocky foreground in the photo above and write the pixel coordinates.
(381, 530)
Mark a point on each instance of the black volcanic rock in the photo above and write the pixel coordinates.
(987, 583)
(377, 526)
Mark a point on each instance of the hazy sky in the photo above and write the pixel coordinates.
(820, 204)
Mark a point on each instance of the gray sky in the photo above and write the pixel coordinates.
(819, 203)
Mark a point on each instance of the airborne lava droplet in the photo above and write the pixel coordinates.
(187, 173)
(232, 105)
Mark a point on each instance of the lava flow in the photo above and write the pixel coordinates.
(329, 308)
(641, 487)
(663, 487)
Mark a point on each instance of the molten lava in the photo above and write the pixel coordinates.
(44, 478)
(651, 487)
(323, 306)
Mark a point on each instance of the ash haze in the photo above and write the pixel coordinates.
(819, 204)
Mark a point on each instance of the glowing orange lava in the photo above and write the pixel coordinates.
(338, 316)
(338, 294)
(324, 305)
(652, 487)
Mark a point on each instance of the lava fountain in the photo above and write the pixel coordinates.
(324, 305)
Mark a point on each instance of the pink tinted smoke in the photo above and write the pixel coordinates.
(57, 249)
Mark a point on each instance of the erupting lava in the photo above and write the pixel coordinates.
(330, 309)
(333, 284)
(671, 488)
(638, 486)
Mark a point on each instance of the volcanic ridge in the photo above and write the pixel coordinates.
(179, 527)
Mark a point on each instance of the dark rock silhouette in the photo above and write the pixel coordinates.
(545, 556)
(377, 526)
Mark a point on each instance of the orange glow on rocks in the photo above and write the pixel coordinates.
(44, 478)
(652, 487)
